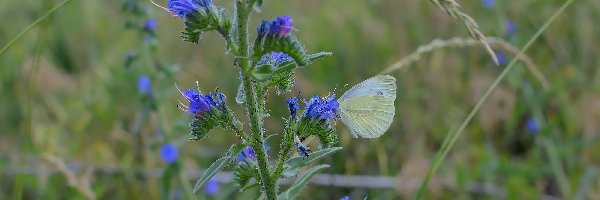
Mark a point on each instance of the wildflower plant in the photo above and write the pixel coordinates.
(269, 63)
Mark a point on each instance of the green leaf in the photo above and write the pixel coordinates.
(293, 164)
(253, 185)
(218, 166)
(295, 189)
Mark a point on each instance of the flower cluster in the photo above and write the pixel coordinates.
(281, 26)
(318, 119)
(199, 103)
(293, 106)
(183, 8)
(209, 111)
(274, 59)
(321, 108)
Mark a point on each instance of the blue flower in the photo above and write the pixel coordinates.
(246, 154)
(501, 58)
(274, 58)
(532, 126)
(345, 198)
(262, 29)
(200, 103)
(281, 26)
(488, 3)
(293, 105)
(168, 153)
(144, 85)
(182, 8)
(212, 187)
(317, 108)
(510, 28)
(150, 25)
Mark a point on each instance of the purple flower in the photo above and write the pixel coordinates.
(488, 3)
(200, 103)
(150, 25)
(212, 187)
(510, 28)
(532, 126)
(182, 8)
(345, 198)
(246, 154)
(274, 58)
(317, 108)
(501, 58)
(168, 153)
(262, 29)
(281, 26)
(144, 85)
(293, 105)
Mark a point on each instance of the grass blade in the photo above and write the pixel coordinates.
(453, 137)
(33, 25)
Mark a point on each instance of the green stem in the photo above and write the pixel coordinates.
(33, 25)
(252, 107)
(441, 154)
(285, 147)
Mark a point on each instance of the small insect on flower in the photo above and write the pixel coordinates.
(168, 153)
(301, 148)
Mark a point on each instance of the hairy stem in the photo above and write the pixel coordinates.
(285, 147)
(252, 105)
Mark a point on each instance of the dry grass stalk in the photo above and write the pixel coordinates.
(81, 184)
(453, 9)
(464, 42)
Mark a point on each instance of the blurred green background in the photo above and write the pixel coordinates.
(68, 94)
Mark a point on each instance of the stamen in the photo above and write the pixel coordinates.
(166, 9)
(182, 105)
(182, 109)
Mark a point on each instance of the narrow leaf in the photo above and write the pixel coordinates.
(218, 166)
(301, 182)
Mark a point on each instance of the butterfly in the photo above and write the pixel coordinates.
(367, 109)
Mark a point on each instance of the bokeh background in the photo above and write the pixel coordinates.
(73, 120)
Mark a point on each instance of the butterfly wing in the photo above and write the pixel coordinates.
(368, 109)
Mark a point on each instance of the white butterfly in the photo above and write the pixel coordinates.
(368, 109)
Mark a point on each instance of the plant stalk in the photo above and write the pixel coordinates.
(252, 107)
